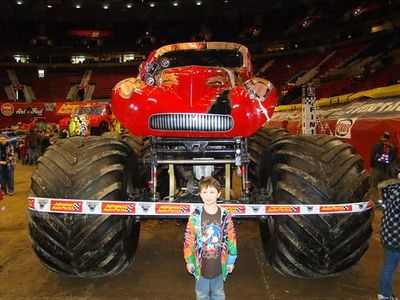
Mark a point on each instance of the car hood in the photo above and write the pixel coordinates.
(196, 87)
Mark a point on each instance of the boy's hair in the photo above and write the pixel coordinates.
(209, 181)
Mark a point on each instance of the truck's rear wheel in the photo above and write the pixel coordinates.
(85, 245)
(315, 170)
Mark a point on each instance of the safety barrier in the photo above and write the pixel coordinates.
(171, 209)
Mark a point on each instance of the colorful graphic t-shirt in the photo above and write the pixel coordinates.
(211, 238)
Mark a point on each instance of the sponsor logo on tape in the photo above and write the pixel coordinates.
(362, 206)
(335, 208)
(175, 209)
(234, 209)
(310, 208)
(255, 208)
(277, 209)
(117, 208)
(145, 206)
(42, 203)
(31, 203)
(65, 206)
(92, 205)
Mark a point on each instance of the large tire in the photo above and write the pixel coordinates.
(257, 145)
(85, 245)
(141, 145)
(315, 170)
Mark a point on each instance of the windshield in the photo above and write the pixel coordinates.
(211, 58)
(89, 110)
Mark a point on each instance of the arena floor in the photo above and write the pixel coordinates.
(159, 270)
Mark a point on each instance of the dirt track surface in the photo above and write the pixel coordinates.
(158, 271)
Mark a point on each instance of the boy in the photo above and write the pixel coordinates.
(390, 234)
(210, 243)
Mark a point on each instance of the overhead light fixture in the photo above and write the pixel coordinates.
(20, 2)
(78, 5)
(152, 4)
(175, 3)
(49, 6)
(198, 3)
(106, 5)
(128, 5)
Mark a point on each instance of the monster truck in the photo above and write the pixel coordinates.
(196, 109)
(89, 119)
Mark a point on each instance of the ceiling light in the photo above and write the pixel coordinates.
(198, 3)
(78, 5)
(128, 5)
(49, 6)
(152, 4)
(106, 6)
(19, 2)
(175, 3)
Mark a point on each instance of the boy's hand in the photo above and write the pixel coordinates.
(230, 268)
(190, 268)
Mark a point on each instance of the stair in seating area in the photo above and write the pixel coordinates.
(285, 68)
(4, 83)
(339, 57)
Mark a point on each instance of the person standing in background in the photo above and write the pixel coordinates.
(390, 234)
(23, 151)
(33, 146)
(383, 157)
(7, 165)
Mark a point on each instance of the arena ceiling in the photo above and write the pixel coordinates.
(119, 23)
(111, 11)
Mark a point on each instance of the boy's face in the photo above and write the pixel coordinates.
(209, 195)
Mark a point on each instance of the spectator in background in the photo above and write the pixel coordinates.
(44, 142)
(19, 92)
(7, 165)
(23, 151)
(81, 92)
(33, 146)
(383, 157)
(390, 234)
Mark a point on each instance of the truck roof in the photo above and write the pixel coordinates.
(204, 45)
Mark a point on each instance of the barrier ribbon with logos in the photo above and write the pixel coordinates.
(171, 209)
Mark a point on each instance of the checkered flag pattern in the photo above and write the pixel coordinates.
(76, 206)
(129, 208)
(309, 101)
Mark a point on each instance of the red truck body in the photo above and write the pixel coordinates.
(178, 96)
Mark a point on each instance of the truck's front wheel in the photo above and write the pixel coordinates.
(95, 168)
(315, 170)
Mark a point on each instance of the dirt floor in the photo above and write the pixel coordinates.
(159, 270)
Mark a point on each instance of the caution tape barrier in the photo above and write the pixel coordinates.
(171, 209)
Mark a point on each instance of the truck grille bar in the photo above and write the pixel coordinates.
(191, 122)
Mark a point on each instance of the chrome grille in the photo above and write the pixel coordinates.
(191, 122)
